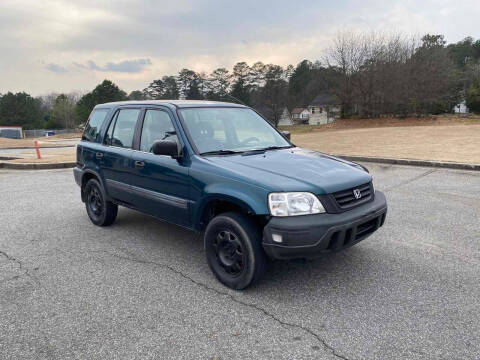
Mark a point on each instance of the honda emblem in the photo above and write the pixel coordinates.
(357, 194)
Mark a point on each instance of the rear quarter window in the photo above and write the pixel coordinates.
(97, 117)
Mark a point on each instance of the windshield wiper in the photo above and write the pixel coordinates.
(221, 152)
(262, 150)
(273, 148)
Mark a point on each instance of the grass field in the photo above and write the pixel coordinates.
(455, 143)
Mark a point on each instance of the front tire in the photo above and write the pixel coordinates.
(234, 251)
(100, 211)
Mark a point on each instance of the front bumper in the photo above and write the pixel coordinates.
(309, 236)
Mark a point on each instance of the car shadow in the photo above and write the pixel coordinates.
(343, 271)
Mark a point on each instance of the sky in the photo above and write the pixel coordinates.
(62, 46)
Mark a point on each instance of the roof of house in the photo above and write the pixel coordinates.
(298, 110)
(325, 99)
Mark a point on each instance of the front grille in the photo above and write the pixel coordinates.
(346, 199)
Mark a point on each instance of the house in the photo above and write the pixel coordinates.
(285, 118)
(461, 108)
(300, 115)
(324, 109)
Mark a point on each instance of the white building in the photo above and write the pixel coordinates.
(461, 108)
(323, 109)
(285, 118)
(12, 132)
(300, 115)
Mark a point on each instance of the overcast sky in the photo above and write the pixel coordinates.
(48, 45)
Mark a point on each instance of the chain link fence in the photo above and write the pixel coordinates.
(44, 132)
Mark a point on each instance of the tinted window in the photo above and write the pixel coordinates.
(94, 123)
(157, 125)
(124, 128)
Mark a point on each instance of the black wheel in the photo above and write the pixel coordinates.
(234, 250)
(100, 211)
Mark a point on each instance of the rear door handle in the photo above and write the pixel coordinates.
(139, 164)
(99, 155)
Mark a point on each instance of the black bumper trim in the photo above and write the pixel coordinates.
(78, 174)
(312, 235)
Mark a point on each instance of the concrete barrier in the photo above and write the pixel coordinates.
(412, 162)
(36, 166)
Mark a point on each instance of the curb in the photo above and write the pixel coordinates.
(411, 162)
(34, 166)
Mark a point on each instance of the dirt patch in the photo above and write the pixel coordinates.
(51, 141)
(67, 155)
(457, 143)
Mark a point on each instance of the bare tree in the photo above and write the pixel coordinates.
(386, 74)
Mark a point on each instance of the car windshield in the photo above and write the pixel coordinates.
(230, 130)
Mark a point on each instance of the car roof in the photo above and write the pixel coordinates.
(171, 103)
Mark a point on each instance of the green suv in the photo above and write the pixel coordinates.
(223, 170)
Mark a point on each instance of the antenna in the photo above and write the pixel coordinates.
(234, 98)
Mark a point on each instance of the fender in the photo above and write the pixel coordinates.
(252, 200)
(97, 175)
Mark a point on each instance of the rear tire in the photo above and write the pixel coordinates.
(234, 251)
(100, 211)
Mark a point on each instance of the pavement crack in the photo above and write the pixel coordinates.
(305, 329)
(11, 258)
(15, 277)
(409, 181)
(25, 270)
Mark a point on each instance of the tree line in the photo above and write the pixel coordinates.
(370, 74)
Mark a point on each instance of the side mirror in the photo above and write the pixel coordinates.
(166, 147)
(286, 134)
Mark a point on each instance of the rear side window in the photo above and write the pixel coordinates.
(123, 128)
(94, 123)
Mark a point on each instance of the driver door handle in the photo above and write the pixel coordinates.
(99, 155)
(139, 164)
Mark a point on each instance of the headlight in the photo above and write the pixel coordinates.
(294, 203)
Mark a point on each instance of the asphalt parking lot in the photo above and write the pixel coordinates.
(141, 289)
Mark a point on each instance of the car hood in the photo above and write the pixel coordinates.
(294, 169)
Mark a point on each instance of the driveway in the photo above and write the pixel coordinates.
(142, 289)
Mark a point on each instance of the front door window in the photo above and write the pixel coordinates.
(157, 125)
